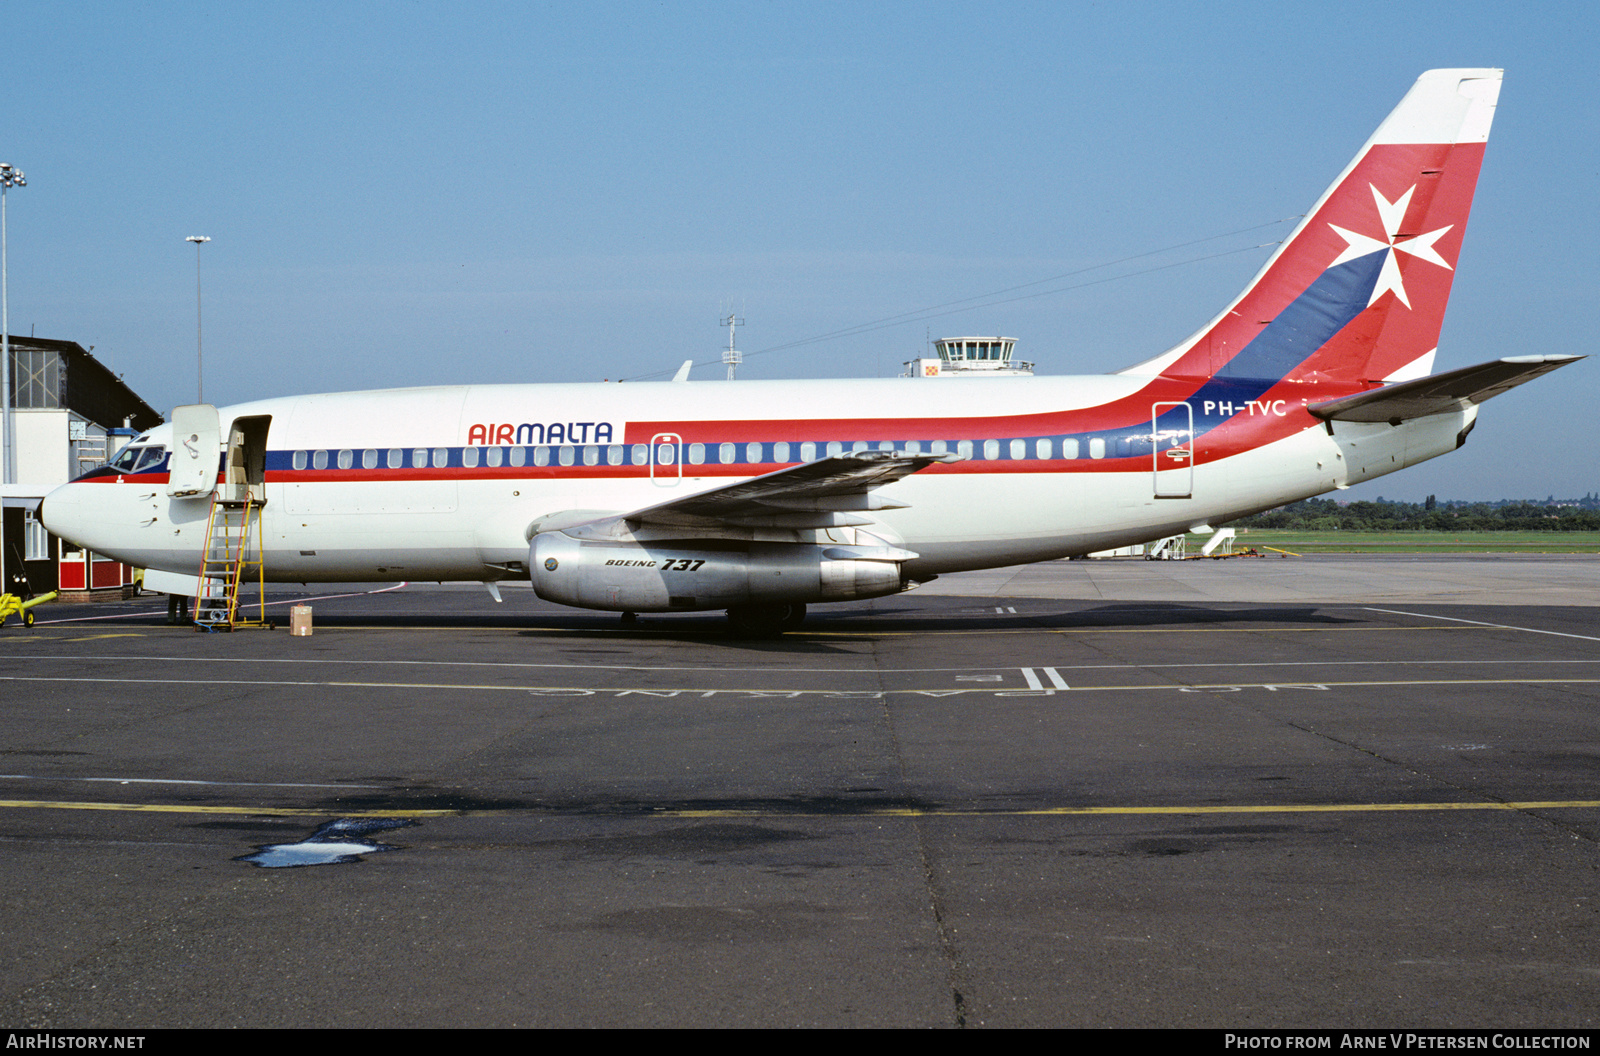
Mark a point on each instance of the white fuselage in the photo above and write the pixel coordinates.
(378, 485)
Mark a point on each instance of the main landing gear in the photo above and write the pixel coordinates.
(767, 620)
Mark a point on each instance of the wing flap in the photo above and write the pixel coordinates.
(1439, 393)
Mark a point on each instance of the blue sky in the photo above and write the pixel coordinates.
(416, 193)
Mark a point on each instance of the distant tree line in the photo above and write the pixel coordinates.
(1505, 515)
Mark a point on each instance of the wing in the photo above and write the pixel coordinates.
(1438, 393)
(827, 493)
(817, 494)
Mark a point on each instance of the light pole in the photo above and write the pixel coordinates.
(199, 358)
(9, 177)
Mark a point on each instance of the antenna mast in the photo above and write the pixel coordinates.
(732, 356)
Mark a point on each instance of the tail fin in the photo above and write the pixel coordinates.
(1358, 291)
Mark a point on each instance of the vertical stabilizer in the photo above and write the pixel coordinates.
(1358, 291)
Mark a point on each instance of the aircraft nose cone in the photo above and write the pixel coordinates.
(55, 513)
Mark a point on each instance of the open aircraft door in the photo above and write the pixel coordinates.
(196, 442)
(245, 469)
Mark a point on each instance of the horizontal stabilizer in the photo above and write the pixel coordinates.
(1439, 393)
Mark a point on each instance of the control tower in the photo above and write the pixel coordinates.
(970, 357)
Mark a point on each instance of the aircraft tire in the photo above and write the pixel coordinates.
(763, 621)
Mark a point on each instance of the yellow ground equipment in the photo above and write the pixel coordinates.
(229, 562)
(11, 605)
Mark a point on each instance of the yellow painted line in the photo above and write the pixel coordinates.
(62, 638)
(803, 633)
(865, 812)
(1312, 808)
(187, 808)
(1042, 629)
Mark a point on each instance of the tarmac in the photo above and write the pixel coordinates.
(1319, 792)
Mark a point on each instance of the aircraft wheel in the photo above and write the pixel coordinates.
(763, 621)
(27, 618)
(797, 616)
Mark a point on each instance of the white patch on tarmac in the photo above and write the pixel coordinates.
(331, 844)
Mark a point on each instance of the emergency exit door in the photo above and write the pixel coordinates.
(1172, 447)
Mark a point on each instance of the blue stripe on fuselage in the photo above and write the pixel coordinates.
(1323, 309)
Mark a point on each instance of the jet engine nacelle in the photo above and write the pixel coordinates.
(682, 576)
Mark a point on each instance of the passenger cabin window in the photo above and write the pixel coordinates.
(1097, 447)
(441, 457)
(991, 449)
(752, 452)
(725, 453)
(1044, 449)
(519, 456)
(541, 456)
(697, 454)
(808, 452)
(964, 448)
(494, 456)
(780, 451)
(319, 460)
(641, 455)
(369, 458)
(299, 460)
(397, 458)
(614, 455)
(469, 457)
(591, 455)
(1069, 448)
(347, 458)
(419, 458)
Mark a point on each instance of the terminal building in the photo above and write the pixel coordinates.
(69, 413)
(970, 357)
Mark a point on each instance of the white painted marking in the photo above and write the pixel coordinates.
(1032, 679)
(78, 658)
(1055, 679)
(1481, 623)
(288, 601)
(177, 781)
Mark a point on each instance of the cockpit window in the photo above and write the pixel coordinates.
(150, 459)
(138, 459)
(126, 458)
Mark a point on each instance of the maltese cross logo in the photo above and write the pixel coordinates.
(1391, 214)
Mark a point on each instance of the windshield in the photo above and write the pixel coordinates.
(138, 459)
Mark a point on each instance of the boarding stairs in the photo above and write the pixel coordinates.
(228, 563)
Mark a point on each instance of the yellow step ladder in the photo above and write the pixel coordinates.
(227, 563)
